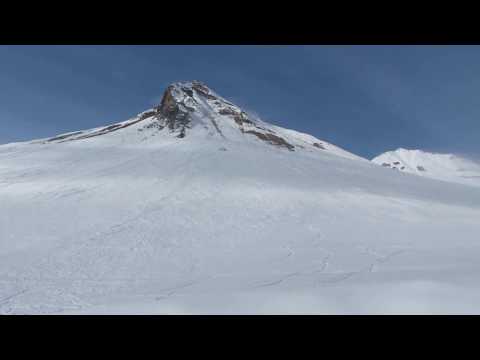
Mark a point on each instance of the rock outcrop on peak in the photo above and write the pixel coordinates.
(192, 108)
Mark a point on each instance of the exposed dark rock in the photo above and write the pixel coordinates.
(175, 115)
(154, 125)
(264, 129)
(202, 90)
(182, 134)
(187, 91)
(62, 137)
(227, 111)
(385, 164)
(421, 168)
(105, 130)
(111, 127)
(168, 105)
(396, 163)
(318, 145)
(272, 139)
(197, 85)
(242, 118)
(148, 114)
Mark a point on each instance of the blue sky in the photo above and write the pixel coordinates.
(366, 99)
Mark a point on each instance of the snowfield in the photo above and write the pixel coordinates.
(446, 167)
(158, 217)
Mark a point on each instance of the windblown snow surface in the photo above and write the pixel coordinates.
(446, 167)
(138, 220)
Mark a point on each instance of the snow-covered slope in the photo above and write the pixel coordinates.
(445, 167)
(197, 207)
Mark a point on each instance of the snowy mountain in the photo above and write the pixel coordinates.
(445, 167)
(196, 206)
(193, 110)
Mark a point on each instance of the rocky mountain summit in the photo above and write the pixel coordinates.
(192, 108)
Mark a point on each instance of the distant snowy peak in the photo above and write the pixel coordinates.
(191, 109)
(446, 167)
